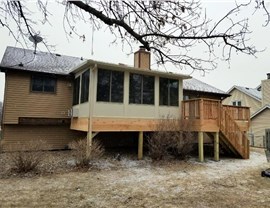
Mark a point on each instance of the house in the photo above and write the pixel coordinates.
(258, 99)
(38, 95)
(74, 97)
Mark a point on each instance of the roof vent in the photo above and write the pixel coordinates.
(57, 54)
(247, 88)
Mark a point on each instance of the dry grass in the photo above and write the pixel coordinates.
(131, 183)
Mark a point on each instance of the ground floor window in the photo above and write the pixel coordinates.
(110, 87)
(76, 90)
(43, 83)
(141, 89)
(168, 92)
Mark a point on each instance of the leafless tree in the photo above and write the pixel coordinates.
(170, 29)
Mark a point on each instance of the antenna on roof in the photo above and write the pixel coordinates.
(35, 39)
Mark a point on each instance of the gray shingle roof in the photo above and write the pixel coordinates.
(25, 59)
(197, 85)
(252, 92)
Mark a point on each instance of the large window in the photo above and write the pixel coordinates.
(76, 91)
(110, 87)
(43, 83)
(85, 87)
(168, 92)
(141, 89)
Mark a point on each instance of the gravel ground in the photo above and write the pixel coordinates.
(132, 183)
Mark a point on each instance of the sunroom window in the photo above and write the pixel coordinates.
(141, 89)
(168, 92)
(110, 87)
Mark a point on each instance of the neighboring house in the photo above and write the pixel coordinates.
(244, 96)
(258, 99)
(58, 98)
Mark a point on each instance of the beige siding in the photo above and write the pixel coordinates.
(21, 102)
(258, 125)
(57, 137)
(245, 100)
(265, 92)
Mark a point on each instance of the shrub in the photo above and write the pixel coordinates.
(84, 159)
(28, 157)
(169, 139)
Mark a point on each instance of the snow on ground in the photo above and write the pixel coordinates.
(132, 183)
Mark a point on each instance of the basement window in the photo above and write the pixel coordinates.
(141, 89)
(168, 92)
(43, 83)
(110, 86)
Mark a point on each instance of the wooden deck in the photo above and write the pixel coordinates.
(230, 122)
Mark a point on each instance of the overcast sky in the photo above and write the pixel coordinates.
(243, 70)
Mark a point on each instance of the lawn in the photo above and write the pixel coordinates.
(131, 183)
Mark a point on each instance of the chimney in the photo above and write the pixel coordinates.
(265, 89)
(142, 58)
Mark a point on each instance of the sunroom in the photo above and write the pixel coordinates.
(110, 97)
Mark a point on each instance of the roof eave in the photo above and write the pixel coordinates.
(125, 68)
(207, 92)
(235, 87)
(259, 111)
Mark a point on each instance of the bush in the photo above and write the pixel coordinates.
(28, 157)
(170, 140)
(79, 148)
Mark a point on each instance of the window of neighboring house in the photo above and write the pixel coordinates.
(85, 86)
(43, 83)
(110, 86)
(168, 92)
(141, 89)
(237, 103)
(76, 90)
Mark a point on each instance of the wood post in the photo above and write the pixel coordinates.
(216, 146)
(89, 142)
(200, 143)
(140, 145)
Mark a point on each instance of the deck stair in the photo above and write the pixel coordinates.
(232, 122)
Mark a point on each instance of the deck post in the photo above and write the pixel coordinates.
(140, 145)
(216, 146)
(200, 143)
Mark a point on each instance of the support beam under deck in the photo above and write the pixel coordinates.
(216, 146)
(140, 145)
(200, 143)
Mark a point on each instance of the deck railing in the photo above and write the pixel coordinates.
(201, 109)
(233, 133)
(237, 112)
(211, 109)
(226, 117)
